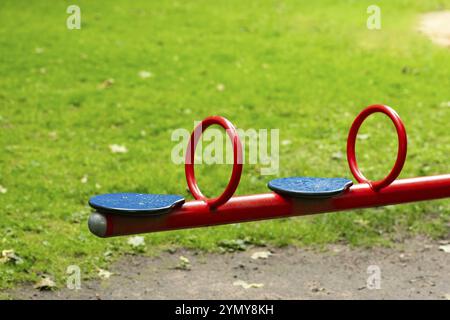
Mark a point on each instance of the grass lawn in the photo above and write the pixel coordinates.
(304, 67)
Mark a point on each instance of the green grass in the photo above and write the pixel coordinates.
(304, 67)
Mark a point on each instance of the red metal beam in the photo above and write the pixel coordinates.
(270, 206)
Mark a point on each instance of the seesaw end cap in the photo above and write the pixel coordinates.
(97, 224)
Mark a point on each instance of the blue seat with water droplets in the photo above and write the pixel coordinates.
(135, 203)
(308, 187)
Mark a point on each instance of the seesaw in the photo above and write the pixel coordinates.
(131, 213)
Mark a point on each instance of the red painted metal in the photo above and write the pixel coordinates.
(237, 158)
(401, 153)
(271, 205)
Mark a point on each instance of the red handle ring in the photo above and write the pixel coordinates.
(401, 153)
(237, 158)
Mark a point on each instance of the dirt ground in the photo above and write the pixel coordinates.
(416, 269)
(436, 25)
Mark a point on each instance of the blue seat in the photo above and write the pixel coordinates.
(307, 187)
(135, 203)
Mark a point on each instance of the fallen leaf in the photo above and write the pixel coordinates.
(145, 74)
(136, 241)
(45, 284)
(220, 87)
(184, 259)
(403, 258)
(261, 255)
(53, 135)
(106, 84)
(422, 279)
(171, 250)
(116, 148)
(3, 190)
(361, 222)
(317, 289)
(337, 155)
(104, 274)
(77, 216)
(363, 136)
(445, 248)
(184, 264)
(84, 179)
(336, 249)
(233, 245)
(246, 285)
(9, 256)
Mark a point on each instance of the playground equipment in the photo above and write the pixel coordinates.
(131, 213)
